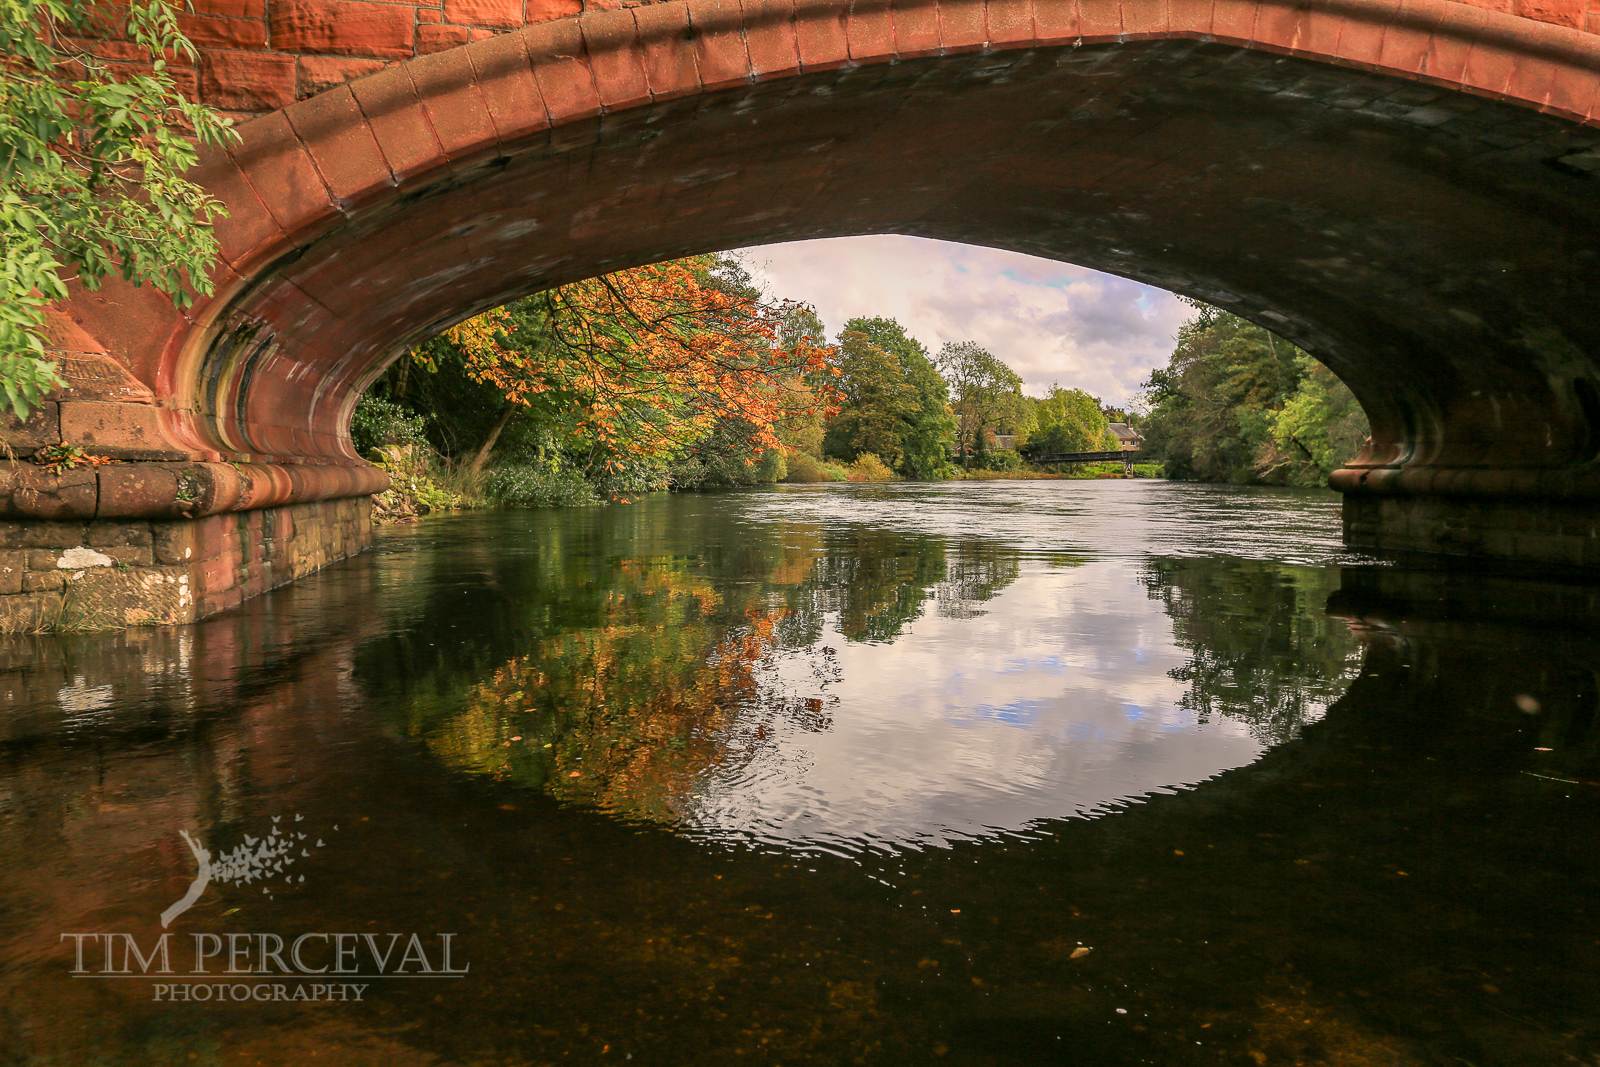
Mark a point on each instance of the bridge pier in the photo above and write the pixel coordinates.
(1527, 515)
(114, 573)
(1522, 529)
(156, 528)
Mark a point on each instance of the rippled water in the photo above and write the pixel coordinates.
(991, 773)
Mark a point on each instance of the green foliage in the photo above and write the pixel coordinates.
(1320, 428)
(877, 401)
(926, 426)
(91, 172)
(533, 487)
(415, 485)
(1070, 420)
(378, 422)
(806, 468)
(1236, 404)
(986, 394)
(1003, 459)
(728, 469)
(65, 457)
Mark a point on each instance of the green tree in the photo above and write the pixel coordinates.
(1320, 428)
(1237, 404)
(91, 170)
(800, 330)
(929, 426)
(1070, 420)
(876, 401)
(1212, 407)
(987, 395)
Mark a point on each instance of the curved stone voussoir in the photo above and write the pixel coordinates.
(282, 174)
(398, 122)
(718, 28)
(446, 84)
(510, 91)
(342, 148)
(770, 39)
(561, 67)
(670, 67)
(248, 234)
(611, 41)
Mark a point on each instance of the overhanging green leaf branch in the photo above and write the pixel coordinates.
(92, 164)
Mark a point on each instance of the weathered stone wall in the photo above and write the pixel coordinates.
(1526, 529)
(261, 55)
(109, 574)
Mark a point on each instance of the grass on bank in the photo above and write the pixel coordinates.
(422, 482)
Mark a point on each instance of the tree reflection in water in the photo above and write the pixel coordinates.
(1409, 881)
(640, 682)
(1263, 651)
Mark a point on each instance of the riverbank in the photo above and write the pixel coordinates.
(422, 483)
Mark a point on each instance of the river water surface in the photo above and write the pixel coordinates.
(1007, 773)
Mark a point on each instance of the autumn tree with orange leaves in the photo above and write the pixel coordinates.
(662, 372)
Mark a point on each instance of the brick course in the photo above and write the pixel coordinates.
(259, 55)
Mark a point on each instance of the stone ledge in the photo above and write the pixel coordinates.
(1559, 484)
(1565, 532)
(174, 490)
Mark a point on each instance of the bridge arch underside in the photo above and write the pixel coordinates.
(1438, 249)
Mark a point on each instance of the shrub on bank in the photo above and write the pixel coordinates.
(805, 468)
(869, 468)
(1003, 459)
(533, 487)
(378, 423)
(724, 471)
(416, 485)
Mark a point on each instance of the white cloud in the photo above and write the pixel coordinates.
(1050, 321)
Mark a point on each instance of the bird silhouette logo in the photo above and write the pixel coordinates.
(264, 859)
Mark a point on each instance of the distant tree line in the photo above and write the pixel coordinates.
(684, 375)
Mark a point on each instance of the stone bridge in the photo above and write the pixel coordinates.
(1406, 188)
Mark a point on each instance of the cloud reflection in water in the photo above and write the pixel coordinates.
(1057, 700)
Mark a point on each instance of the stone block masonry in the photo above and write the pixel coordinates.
(260, 55)
(110, 574)
(1528, 529)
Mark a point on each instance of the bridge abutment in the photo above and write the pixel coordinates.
(1518, 529)
(114, 573)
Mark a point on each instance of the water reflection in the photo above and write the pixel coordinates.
(1262, 651)
(831, 685)
(1404, 874)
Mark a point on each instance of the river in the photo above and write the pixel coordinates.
(1005, 773)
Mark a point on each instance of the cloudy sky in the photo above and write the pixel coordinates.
(1050, 321)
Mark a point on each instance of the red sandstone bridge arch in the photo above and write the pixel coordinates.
(1405, 187)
